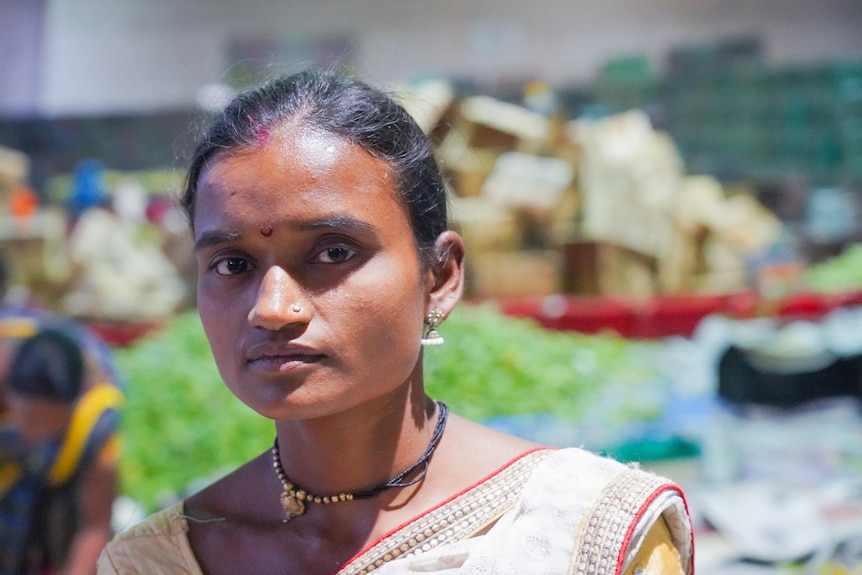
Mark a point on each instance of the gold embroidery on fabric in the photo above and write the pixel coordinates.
(458, 520)
(600, 537)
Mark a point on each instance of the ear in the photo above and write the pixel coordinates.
(445, 278)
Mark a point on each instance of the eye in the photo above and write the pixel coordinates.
(232, 266)
(334, 255)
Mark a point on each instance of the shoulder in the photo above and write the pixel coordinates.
(159, 544)
(91, 435)
(610, 507)
(235, 495)
(658, 554)
(169, 521)
(469, 447)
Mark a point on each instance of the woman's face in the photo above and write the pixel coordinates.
(38, 419)
(310, 288)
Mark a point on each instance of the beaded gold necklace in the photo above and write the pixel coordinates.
(295, 499)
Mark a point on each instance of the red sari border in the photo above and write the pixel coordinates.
(640, 514)
(444, 502)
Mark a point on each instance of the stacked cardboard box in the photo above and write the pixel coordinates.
(511, 172)
(552, 205)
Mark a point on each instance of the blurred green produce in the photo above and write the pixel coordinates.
(842, 273)
(494, 365)
(183, 427)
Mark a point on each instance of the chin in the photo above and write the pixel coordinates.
(277, 402)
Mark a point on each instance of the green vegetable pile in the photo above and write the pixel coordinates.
(842, 273)
(496, 365)
(183, 427)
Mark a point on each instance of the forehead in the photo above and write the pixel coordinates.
(297, 169)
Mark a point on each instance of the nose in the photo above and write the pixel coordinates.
(275, 305)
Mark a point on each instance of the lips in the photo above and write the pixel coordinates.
(279, 356)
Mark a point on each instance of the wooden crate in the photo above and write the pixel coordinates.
(514, 273)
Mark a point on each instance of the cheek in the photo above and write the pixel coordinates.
(221, 307)
(206, 311)
(388, 313)
(218, 325)
(380, 345)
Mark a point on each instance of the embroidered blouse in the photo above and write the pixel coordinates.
(548, 511)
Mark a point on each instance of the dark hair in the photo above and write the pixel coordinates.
(345, 107)
(48, 364)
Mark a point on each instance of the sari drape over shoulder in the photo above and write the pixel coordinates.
(549, 511)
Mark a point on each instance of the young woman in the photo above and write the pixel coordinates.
(325, 263)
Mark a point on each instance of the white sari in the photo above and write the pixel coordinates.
(565, 511)
(548, 512)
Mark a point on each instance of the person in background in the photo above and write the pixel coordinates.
(59, 445)
(325, 264)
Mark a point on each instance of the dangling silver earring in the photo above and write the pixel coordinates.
(434, 319)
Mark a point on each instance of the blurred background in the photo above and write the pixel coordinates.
(662, 202)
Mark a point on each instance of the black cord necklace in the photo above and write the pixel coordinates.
(294, 499)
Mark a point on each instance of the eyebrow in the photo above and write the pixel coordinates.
(337, 222)
(208, 239)
(211, 238)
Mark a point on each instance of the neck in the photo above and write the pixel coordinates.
(357, 449)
